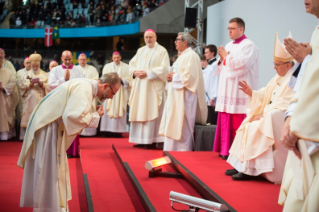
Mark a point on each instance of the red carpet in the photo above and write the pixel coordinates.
(258, 195)
(157, 189)
(11, 180)
(110, 188)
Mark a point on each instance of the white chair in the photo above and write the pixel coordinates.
(80, 11)
(75, 13)
(86, 11)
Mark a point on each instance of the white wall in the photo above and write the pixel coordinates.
(263, 18)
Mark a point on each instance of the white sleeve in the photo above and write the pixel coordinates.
(125, 83)
(301, 72)
(290, 109)
(7, 92)
(151, 75)
(54, 81)
(177, 81)
(95, 120)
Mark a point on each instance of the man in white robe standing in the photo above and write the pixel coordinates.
(185, 103)
(148, 68)
(7, 104)
(60, 74)
(114, 120)
(51, 130)
(238, 61)
(89, 72)
(211, 83)
(20, 73)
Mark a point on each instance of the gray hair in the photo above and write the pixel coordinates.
(186, 36)
(110, 78)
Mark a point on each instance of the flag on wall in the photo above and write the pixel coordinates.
(76, 56)
(48, 36)
(56, 34)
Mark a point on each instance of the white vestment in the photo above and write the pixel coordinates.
(117, 124)
(147, 96)
(89, 72)
(56, 76)
(241, 63)
(7, 79)
(211, 82)
(51, 130)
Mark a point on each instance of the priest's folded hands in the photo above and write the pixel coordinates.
(100, 110)
(169, 76)
(140, 74)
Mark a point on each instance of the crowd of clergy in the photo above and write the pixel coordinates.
(270, 132)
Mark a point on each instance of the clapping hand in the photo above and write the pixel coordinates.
(297, 51)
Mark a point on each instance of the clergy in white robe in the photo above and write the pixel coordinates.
(7, 87)
(53, 64)
(115, 114)
(185, 103)
(33, 88)
(148, 68)
(20, 74)
(239, 60)
(89, 72)
(256, 148)
(51, 130)
(60, 74)
(300, 185)
(211, 83)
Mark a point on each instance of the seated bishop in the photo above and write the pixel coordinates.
(33, 86)
(257, 149)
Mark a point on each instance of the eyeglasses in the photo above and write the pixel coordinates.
(113, 93)
(177, 39)
(277, 65)
(231, 29)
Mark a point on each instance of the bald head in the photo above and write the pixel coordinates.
(27, 63)
(52, 65)
(82, 60)
(66, 58)
(150, 38)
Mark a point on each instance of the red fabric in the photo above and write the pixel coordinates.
(11, 180)
(224, 62)
(227, 125)
(258, 195)
(73, 150)
(110, 188)
(48, 37)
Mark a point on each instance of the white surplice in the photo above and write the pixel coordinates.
(241, 63)
(56, 76)
(90, 72)
(211, 82)
(51, 130)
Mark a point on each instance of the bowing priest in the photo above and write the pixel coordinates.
(33, 86)
(89, 72)
(256, 148)
(20, 74)
(211, 83)
(148, 68)
(185, 103)
(238, 60)
(7, 103)
(51, 130)
(60, 74)
(114, 119)
(300, 185)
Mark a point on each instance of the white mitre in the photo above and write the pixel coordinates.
(280, 53)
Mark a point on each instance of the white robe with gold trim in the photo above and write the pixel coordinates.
(115, 116)
(54, 124)
(147, 96)
(185, 103)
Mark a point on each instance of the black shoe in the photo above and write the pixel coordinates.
(139, 145)
(159, 145)
(243, 177)
(224, 157)
(150, 146)
(69, 156)
(231, 172)
(219, 155)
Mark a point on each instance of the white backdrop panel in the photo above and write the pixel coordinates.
(263, 19)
